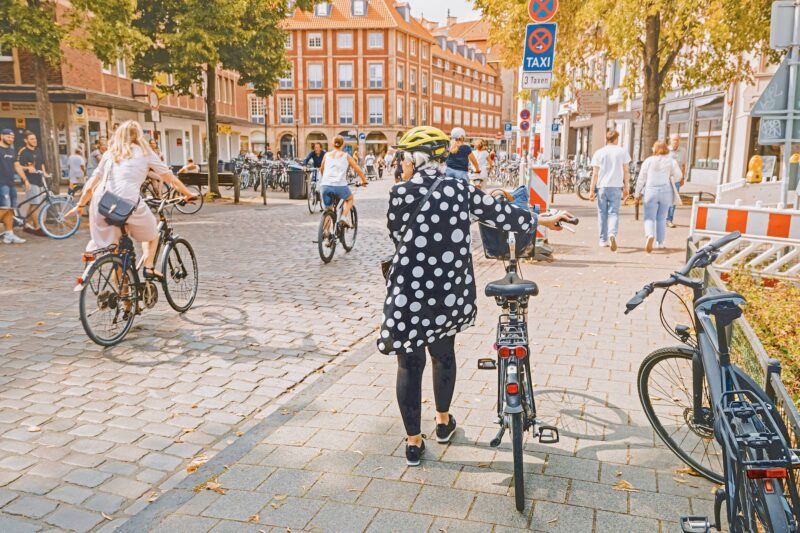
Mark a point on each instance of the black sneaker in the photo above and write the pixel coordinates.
(444, 432)
(414, 453)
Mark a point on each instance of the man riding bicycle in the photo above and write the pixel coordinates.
(334, 178)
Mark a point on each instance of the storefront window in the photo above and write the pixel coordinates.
(708, 137)
(775, 150)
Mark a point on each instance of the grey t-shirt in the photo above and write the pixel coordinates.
(679, 156)
(74, 163)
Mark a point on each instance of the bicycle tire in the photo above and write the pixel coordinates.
(194, 207)
(311, 197)
(349, 235)
(582, 189)
(96, 272)
(646, 398)
(772, 513)
(326, 252)
(176, 269)
(519, 465)
(53, 221)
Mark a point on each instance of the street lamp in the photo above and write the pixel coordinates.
(297, 138)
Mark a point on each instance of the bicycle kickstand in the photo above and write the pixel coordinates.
(495, 442)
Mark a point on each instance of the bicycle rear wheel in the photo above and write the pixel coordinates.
(349, 234)
(583, 189)
(326, 237)
(519, 466)
(311, 197)
(54, 221)
(665, 390)
(108, 300)
(180, 275)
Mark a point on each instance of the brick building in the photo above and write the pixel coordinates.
(368, 70)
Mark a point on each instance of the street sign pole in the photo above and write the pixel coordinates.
(794, 58)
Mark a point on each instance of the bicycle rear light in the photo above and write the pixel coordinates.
(79, 280)
(512, 388)
(508, 351)
(765, 473)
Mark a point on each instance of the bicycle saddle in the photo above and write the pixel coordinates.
(511, 286)
(723, 305)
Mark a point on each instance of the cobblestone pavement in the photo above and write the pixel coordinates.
(330, 457)
(89, 436)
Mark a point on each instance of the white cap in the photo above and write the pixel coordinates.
(458, 133)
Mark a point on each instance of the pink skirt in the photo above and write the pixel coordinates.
(141, 226)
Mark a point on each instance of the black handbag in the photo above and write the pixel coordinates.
(113, 208)
(386, 262)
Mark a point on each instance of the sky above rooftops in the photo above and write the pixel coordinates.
(437, 10)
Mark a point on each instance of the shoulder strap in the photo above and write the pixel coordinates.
(417, 210)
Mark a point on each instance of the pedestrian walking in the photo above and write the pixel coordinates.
(31, 163)
(94, 157)
(658, 178)
(610, 185)
(431, 286)
(678, 153)
(8, 190)
(484, 161)
(460, 156)
(76, 170)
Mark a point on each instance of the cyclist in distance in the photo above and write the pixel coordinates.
(460, 156)
(334, 178)
(431, 285)
(122, 170)
(315, 156)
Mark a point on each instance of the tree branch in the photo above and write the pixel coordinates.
(668, 63)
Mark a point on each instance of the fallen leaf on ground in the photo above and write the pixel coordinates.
(239, 433)
(285, 412)
(359, 452)
(618, 473)
(553, 521)
(216, 487)
(679, 480)
(106, 516)
(178, 441)
(7, 336)
(40, 323)
(194, 406)
(254, 519)
(624, 485)
(196, 463)
(687, 470)
(376, 469)
(34, 429)
(188, 430)
(353, 490)
(153, 497)
(280, 497)
(484, 465)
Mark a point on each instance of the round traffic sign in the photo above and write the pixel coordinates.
(524, 125)
(540, 40)
(525, 114)
(542, 10)
(153, 99)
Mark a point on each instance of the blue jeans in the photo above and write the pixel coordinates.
(608, 200)
(8, 196)
(460, 174)
(657, 203)
(329, 191)
(671, 212)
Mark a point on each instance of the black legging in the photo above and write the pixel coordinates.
(409, 381)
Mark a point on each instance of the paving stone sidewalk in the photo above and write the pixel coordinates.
(330, 456)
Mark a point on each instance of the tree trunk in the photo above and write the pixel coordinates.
(47, 139)
(211, 120)
(651, 94)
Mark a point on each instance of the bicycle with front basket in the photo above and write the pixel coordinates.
(112, 293)
(714, 416)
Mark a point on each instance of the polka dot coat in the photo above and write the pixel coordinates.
(431, 285)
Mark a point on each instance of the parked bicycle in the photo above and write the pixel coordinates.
(331, 230)
(313, 198)
(154, 189)
(112, 293)
(516, 408)
(52, 212)
(714, 416)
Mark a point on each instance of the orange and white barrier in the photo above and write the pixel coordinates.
(770, 242)
(539, 188)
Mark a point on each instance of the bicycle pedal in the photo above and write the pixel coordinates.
(695, 524)
(548, 435)
(487, 363)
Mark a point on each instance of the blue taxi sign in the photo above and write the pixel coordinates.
(540, 47)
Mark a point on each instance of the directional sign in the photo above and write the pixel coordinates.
(540, 47)
(525, 114)
(542, 10)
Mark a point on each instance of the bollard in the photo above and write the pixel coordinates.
(235, 188)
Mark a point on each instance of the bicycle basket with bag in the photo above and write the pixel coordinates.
(495, 241)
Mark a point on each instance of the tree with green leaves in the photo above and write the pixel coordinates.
(44, 28)
(664, 43)
(191, 39)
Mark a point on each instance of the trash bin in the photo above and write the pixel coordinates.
(297, 182)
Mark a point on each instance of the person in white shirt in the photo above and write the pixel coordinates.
(610, 185)
(76, 170)
(678, 153)
(658, 179)
(333, 182)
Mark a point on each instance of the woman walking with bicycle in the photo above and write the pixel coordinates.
(334, 178)
(430, 283)
(122, 171)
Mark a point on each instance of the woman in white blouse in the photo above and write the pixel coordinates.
(122, 170)
(657, 179)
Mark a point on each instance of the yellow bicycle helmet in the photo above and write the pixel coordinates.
(428, 139)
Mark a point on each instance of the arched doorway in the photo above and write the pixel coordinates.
(377, 143)
(316, 137)
(287, 145)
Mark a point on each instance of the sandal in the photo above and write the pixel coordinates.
(150, 273)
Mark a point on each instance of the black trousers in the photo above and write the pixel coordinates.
(410, 367)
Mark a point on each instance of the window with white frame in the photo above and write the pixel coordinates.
(412, 79)
(437, 114)
(475, 119)
(468, 72)
(458, 91)
(258, 108)
(491, 98)
(457, 116)
(345, 75)
(345, 104)
(289, 41)
(476, 95)
(467, 118)
(424, 82)
(497, 122)
(448, 115)
(359, 8)
(467, 93)
(425, 49)
(375, 39)
(412, 112)
(286, 109)
(424, 114)
(322, 9)
(483, 120)
(412, 46)
(375, 106)
(375, 75)
(401, 76)
(400, 42)
(315, 75)
(316, 109)
(458, 69)
(344, 40)
(108, 68)
(287, 80)
(400, 105)
(315, 40)
(447, 65)
(437, 86)
(122, 68)
(483, 97)
(448, 88)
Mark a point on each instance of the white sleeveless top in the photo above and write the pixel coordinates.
(336, 164)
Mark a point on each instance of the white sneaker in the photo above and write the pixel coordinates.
(660, 246)
(603, 244)
(10, 238)
(648, 244)
(613, 242)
